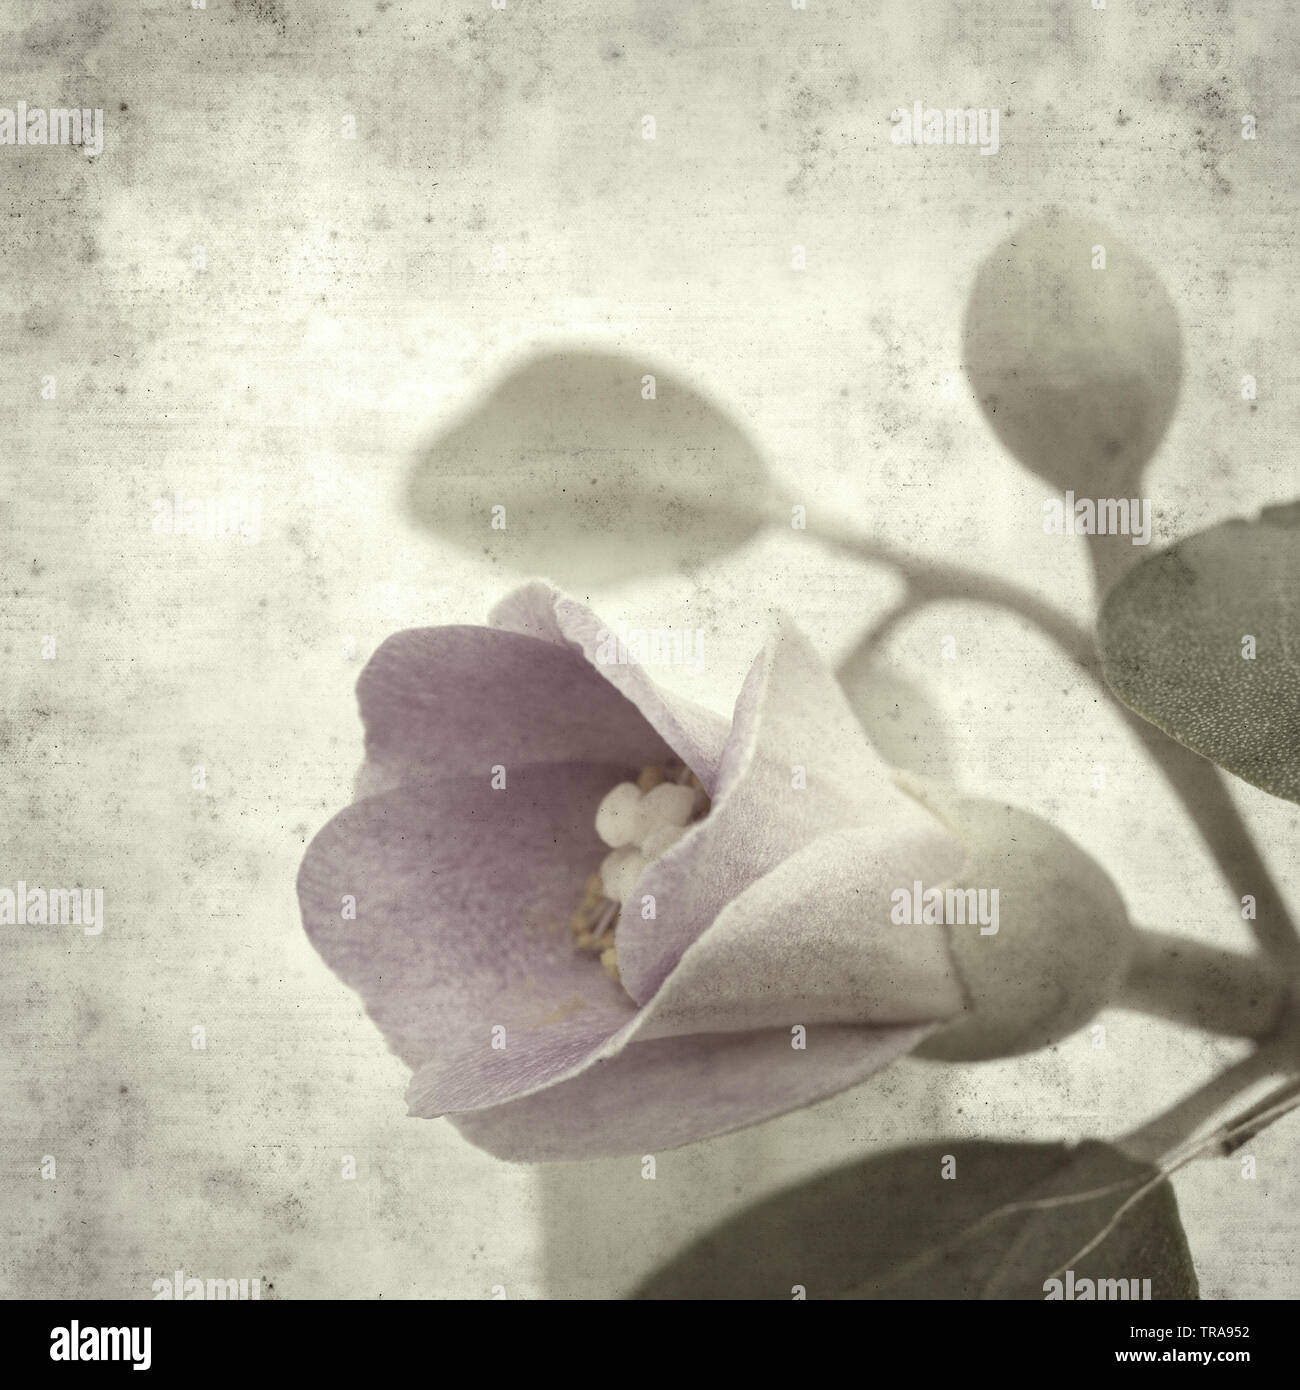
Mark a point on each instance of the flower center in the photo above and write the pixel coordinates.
(639, 821)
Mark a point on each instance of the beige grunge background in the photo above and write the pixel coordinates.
(347, 304)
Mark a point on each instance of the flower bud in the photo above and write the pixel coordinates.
(1063, 942)
(1073, 348)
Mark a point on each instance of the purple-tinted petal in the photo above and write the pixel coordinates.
(792, 726)
(462, 898)
(464, 1075)
(812, 942)
(659, 1095)
(695, 734)
(457, 701)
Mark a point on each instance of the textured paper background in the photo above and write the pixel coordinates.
(350, 302)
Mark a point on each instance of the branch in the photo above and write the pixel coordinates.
(1195, 780)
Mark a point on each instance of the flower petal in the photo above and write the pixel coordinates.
(462, 899)
(695, 734)
(659, 1095)
(463, 1075)
(812, 942)
(792, 726)
(457, 701)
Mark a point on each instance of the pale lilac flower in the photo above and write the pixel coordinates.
(768, 915)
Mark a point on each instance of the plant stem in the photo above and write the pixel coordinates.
(1204, 987)
(1202, 789)
(1158, 1138)
(1195, 780)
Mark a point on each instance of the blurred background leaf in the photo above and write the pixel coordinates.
(892, 1227)
(902, 721)
(600, 481)
(1172, 636)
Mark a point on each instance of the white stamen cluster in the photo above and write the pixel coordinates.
(639, 821)
(639, 827)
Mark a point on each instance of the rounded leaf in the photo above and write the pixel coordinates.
(589, 467)
(957, 1219)
(1203, 640)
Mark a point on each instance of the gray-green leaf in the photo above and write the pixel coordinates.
(1203, 640)
(1010, 1218)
